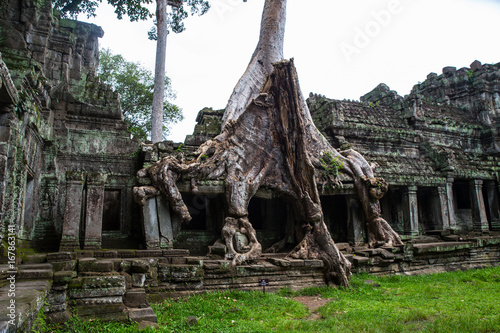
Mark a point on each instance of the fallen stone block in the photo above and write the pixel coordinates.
(145, 314)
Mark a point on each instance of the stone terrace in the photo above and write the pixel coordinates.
(119, 284)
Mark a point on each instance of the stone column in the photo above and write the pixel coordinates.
(165, 223)
(410, 210)
(492, 192)
(72, 212)
(450, 204)
(93, 210)
(150, 224)
(354, 221)
(479, 218)
(443, 207)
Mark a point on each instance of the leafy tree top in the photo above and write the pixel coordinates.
(135, 85)
(135, 9)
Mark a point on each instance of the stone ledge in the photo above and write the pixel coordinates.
(440, 247)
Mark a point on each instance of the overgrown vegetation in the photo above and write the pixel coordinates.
(447, 302)
(135, 85)
(331, 164)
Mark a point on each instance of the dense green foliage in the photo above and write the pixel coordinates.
(135, 9)
(135, 86)
(449, 302)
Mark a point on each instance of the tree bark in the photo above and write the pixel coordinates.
(159, 83)
(269, 140)
(268, 51)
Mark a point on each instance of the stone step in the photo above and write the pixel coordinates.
(35, 259)
(29, 299)
(144, 314)
(34, 274)
(35, 266)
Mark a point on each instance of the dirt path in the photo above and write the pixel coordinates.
(312, 303)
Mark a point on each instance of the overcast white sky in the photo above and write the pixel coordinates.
(342, 49)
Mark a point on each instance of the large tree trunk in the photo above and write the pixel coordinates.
(268, 140)
(159, 84)
(268, 51)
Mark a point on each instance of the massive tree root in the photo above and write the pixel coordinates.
(269, 140)
(273, 144)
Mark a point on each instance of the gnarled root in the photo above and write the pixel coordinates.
(242, 225)
(143, 193)
(380, 233)
(319, 245)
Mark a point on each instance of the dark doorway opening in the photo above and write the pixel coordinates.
(335, 212)
(111, 213)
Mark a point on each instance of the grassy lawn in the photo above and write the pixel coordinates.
(450, 302)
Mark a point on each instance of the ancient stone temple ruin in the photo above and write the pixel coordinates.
(68, 168)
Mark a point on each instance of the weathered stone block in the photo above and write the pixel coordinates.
(175, 253)
(63, 277)
(97, 310)
(149, 253)
(84, 254)
(140, 266)
(218, 250)
(64, 265)
(34, 274)
(49, 308)
(93, 265)
(186, 273)
(114, 281)
(145, 314)
(178, 260)
(138, 280)
(61, 256)
(358, 260)
(56, 297)
(126, 253)
(35, 259)
(96, 292)
(105, 254)
(135, 298)
(57, 317)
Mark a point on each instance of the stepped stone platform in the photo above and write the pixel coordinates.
(119, 285)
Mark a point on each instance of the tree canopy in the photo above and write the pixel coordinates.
(135, 84)
(136, 10)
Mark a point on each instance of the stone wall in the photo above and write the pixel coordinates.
(66, 148)
(436, 148)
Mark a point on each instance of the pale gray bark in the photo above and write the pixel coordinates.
(268, 51)
(159, 84)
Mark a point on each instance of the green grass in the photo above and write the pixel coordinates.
(450, 302)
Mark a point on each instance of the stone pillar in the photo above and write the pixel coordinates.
(165, 223)
(354, 221)
(443, 207)
(493, 204)
(72, 212)
(150, 224)
(93, 210)
(479, 218)
(450, 204)
(410, 210)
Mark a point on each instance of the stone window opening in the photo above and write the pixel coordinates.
(461, 191)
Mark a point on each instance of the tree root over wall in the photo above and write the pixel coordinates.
(274, 144)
